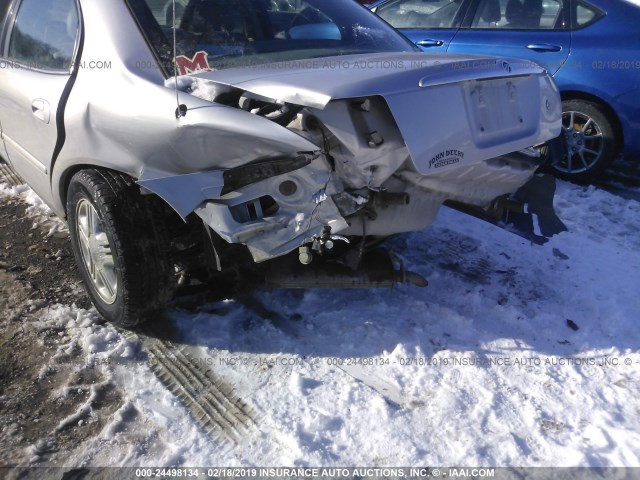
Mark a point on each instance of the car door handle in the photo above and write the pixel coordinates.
(430, 43)
(40, 108)
(544, 47)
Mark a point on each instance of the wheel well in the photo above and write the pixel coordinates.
(185, 236)
(606, 109)
(65, 179)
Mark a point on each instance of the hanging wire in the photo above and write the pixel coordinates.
(181, 111)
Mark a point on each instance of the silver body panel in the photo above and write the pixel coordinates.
(419, 84)
(433, 128)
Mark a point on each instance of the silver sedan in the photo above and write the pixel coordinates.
(183, 139)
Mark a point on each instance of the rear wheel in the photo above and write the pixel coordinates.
(120, 245)
(588, 138)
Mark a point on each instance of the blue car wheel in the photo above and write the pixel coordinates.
(589, 141)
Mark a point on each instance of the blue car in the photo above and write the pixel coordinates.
(592, 49)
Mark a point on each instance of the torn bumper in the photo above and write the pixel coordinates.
(271, 214)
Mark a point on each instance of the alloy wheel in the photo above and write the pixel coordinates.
(584, 142)
(96, 251)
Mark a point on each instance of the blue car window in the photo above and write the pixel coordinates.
(518, 14)
(44, 34)
(421, 13)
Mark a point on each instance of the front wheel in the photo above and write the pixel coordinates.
(120, 246)
(588, 138)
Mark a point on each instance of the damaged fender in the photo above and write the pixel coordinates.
(272, 206)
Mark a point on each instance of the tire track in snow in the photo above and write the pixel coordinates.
(211, 402)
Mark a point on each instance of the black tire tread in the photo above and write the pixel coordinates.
(139, 237)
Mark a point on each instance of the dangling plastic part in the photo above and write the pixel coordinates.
(181, 111)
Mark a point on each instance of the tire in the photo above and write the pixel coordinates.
(589, 142)
(120, 246)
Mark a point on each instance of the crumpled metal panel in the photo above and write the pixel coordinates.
(302, 211)
(314, 82)
(435, 101)
(194, 188)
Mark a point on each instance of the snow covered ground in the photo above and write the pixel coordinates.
(514, 355)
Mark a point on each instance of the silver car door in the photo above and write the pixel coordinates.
(40, 43)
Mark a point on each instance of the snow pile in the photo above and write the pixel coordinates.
(514, 355)
(36, 209)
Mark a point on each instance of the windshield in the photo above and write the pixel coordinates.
(218, 34)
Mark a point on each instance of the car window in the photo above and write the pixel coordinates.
(218, 34)
(585, 14)
(421, 13)
(163, 11)
(44, 34)
(518, 14)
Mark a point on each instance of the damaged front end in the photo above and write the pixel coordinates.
(377, 151)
